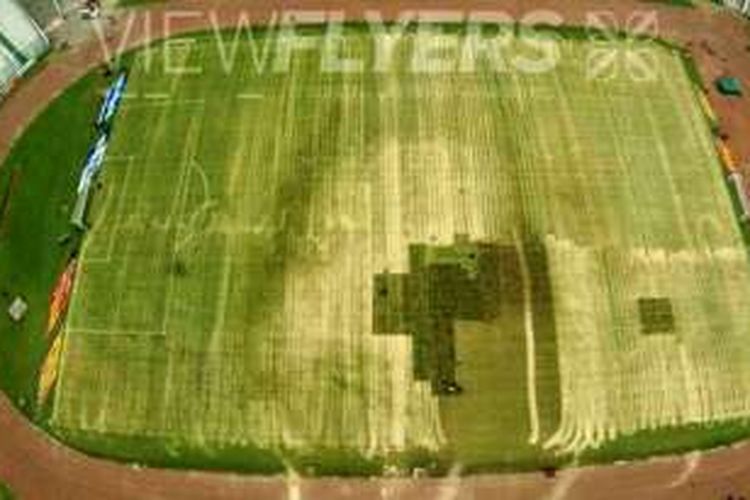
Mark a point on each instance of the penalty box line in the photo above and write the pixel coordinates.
(113, 332)
(128, 160)
(160, 101)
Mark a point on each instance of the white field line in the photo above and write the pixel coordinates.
(573, 398)
(117, 332)
(250, 96)
(450, 486)
(59, 384)
(621, 155)
(273, 426)
(585, 424)
(358, 301)
(666, 165)
(616, 131)
(74, 294)
(184, 52)
(192, 229)
(576, 150)
(697, 126)
(701, 135)
(563, 485)
(293, 484)
(124, 248)
(551, 204)
(158, 96)
(118, 214)
(333, 302)
(158, 99)
(394, 259)
(649, 363)
(178, 203)
(429, 218)
(217, 332)
(119, 158)
(162, 102)
(472, 202)
(693, 409)
(368, 259)
(528, 323)
(692, 461)
(234, 187)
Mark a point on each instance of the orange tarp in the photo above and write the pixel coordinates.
(707, 109)
(61, 297)
(727, 158)
(50, 369)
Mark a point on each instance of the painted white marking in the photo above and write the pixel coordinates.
(153, 103)
(563, 486)
(692, 461)
(293, 484)
(156, 95)
(119, 210)
(528, 323)
(116, 332)
(451, 485)
(250, 96)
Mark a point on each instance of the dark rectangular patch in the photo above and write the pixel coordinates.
(656, 315)
(390, 303)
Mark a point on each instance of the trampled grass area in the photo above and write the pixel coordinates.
(225, 307)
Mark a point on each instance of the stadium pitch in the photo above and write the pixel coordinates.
(341, 272)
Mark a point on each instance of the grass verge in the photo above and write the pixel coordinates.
(44, 165)
(5, 492)
(667, 441)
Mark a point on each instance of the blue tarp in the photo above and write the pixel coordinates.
(95, 157)
(94, 162)
(112, 100)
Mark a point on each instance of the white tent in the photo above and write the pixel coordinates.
(9, 68)
(22, 42)
(741, 5)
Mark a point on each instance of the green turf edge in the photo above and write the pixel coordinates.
(138, 3)
(172, 453)
(699, 86)
(250, 458)
(673, 3)
(679, 440)
(46, 161)
(5, 492)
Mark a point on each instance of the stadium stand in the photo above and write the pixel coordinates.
(740, 5)
(45, 12)
(22, 43)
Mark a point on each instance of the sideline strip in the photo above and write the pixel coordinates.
(250, 96)
(115, 332)
(136, 103)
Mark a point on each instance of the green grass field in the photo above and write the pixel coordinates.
(38, 181)
(5, 492)
(287, 270)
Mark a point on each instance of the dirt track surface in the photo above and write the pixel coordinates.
(37, 467)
